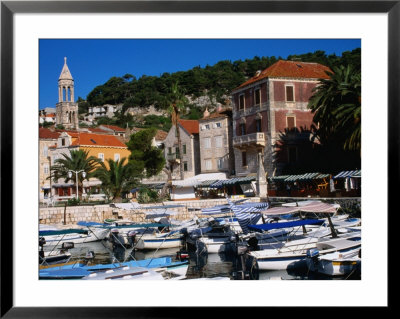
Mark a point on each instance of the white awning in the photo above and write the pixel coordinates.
(198, 179)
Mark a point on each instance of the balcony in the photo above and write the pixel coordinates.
(254, 140)
(173, 157)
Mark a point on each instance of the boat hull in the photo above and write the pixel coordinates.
(158, 243)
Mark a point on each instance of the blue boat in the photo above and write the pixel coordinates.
(80, 270)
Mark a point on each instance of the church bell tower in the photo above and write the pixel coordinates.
(66, 108)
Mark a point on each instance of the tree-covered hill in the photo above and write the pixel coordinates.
(215, 81)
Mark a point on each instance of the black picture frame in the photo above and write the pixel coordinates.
(9, 8)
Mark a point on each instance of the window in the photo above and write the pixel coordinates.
(292, 154)
(45, 151)
(116, 157)
(208, 164)
(177, 152)
(207, 142)
(63, 141)
(46, 168)
(220, 163)
(169, 150)
(207, 126)
(241, 101)
(258, 125)
(101, 156)
(184, 148)
(218, 141)
(244, 159)
(290, 122)
(218, 125)
(257, 96)
(185, 166)
(242, 127)
(289, 94)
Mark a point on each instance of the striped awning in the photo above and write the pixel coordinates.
(344, 174)
(233, 181)
(299, 177)
(207, 183)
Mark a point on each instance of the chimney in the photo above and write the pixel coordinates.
(206, 113)
(219, 108)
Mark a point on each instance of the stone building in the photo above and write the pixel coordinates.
(189, 132)
(272, 104)
(215, 131)
(66, 108)
(47, 139)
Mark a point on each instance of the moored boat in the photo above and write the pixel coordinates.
(334, 264)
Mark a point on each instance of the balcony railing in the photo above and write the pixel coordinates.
(172, 157)
(249, 140)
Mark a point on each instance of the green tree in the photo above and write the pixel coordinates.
(146, 160)
(336, 104)
(116, 179)
(77, 160)
(177, 102)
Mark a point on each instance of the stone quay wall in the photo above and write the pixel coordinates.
(189, 209)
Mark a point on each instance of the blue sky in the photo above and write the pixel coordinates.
(92, 62)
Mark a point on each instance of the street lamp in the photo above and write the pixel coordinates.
(76, 178)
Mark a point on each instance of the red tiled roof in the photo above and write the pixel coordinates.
(192, 126)
(98, 130)
(89, 139)
(45, 133)
(161, 135)
(291, 69)
(114, 128)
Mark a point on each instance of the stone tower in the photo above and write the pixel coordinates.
(66, 108)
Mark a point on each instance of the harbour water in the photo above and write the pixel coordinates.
(206, 265)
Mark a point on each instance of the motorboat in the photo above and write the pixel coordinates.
(80, 270)
(76, 235)
(338, 263)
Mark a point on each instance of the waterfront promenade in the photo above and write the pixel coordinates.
(186, 209)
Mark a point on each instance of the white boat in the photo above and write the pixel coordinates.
(74, 235)
(126, 273)
(281, 255)
(334, 264)
(159, 241)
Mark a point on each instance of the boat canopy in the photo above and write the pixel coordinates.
(295, 223)
(62, 232)
(310, 207)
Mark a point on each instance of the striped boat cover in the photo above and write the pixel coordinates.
(245, 215)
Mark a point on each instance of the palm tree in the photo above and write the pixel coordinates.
(177, 101)
(336, 104)
(116, 179)
(75, 161)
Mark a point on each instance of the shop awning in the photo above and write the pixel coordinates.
(198, 179)
(299, 177)
(344, 174)
(233, 181)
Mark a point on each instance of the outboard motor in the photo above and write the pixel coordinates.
(246, 265)
(118, 244)
(253, 244)
(42, 242)
(131, 236)
(313, 254)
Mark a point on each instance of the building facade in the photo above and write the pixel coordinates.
(270, 108)
(66, 108)
(189, 133)
(215, 132)
(47, 139)
(101, 146)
